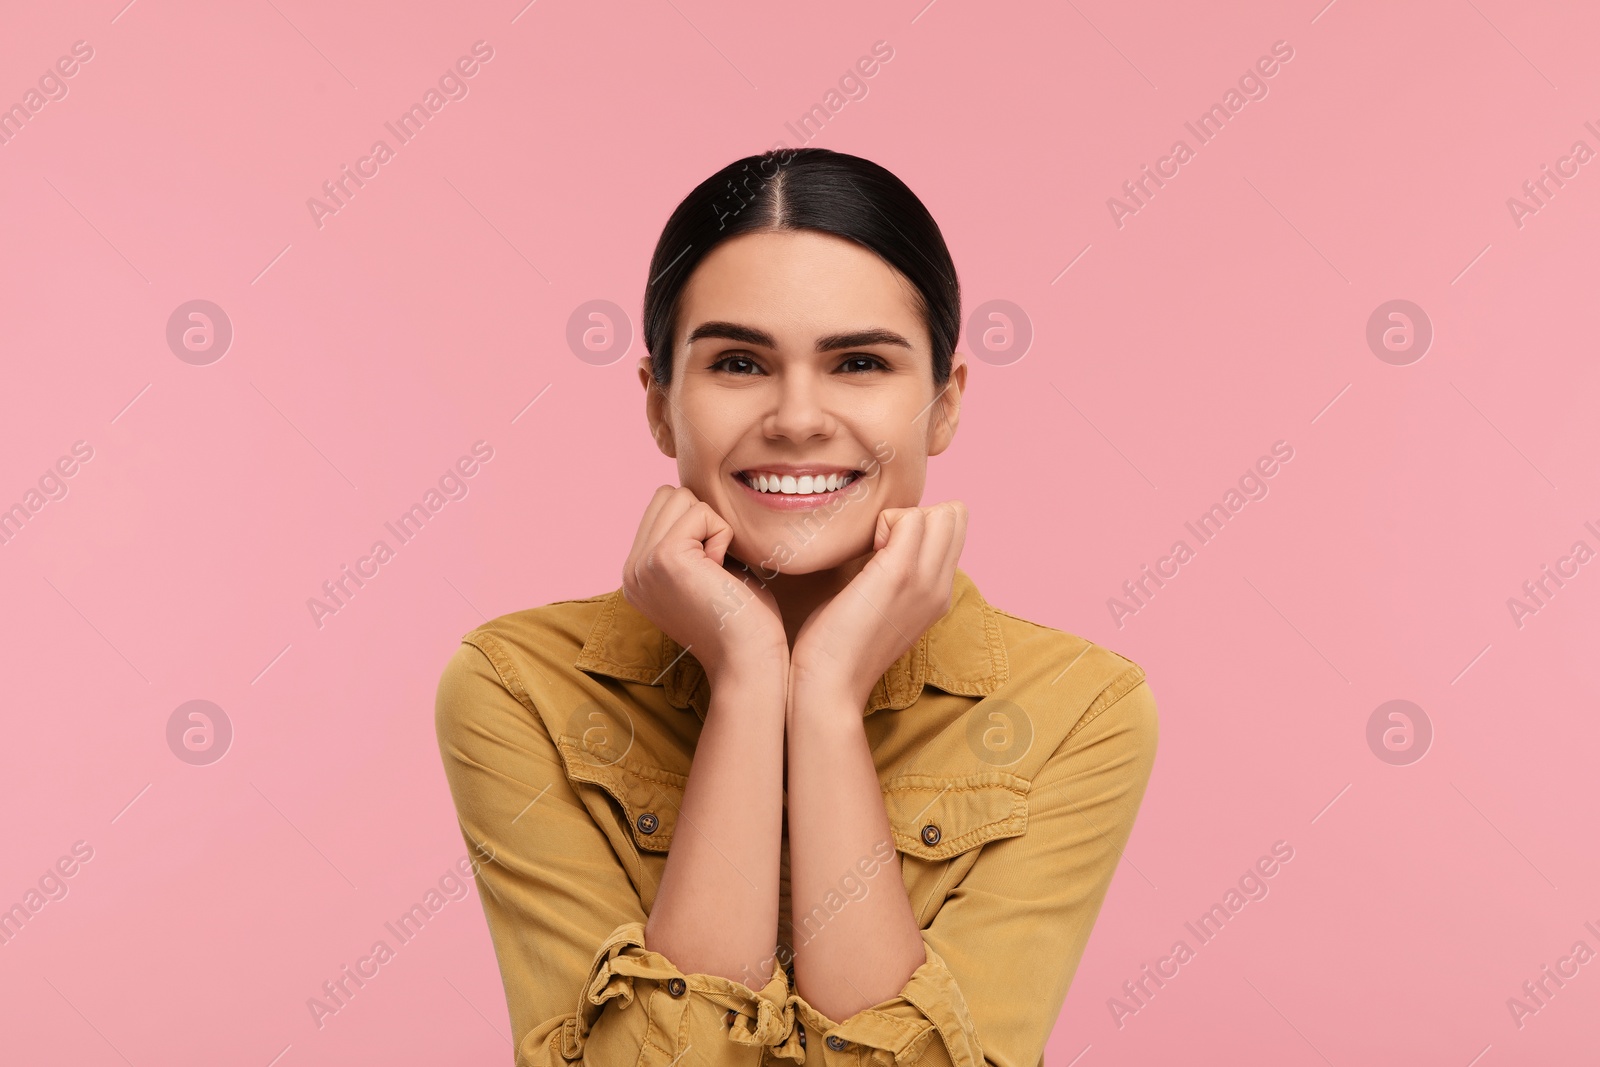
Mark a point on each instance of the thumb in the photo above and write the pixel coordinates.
(717, 544)
(887, 518)
(711, 529)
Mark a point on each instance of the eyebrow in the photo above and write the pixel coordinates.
(832, 342)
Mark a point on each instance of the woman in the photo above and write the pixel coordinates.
(795, 791)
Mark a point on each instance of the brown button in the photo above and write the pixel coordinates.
(930, 834)
(647, 822)
(676, 986)
(802, 1028)
(729, 1017)
(838, 1044)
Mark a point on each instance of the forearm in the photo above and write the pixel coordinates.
(717, 908)
(864, 953)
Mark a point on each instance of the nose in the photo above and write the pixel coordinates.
(801, 412)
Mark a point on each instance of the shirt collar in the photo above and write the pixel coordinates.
(961, 653)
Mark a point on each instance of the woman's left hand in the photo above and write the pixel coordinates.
(845, 646)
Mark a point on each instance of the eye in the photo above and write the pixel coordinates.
(861, 364)
(735, 364)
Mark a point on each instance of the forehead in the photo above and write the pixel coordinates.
(799, 285)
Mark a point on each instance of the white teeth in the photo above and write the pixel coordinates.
(804, 485)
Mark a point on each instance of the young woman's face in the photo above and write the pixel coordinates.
(800, 362)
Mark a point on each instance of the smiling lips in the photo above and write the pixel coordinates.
(795, 486)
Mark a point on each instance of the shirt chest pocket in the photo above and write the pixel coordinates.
(940, 825)
(648, 796)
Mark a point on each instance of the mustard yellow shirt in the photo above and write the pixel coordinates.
(1013, 758)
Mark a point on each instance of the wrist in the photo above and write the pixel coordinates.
(811, 695)
(750, 668)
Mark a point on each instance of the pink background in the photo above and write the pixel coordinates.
(368, 354)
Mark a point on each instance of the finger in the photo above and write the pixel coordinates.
(717, 544)
(932, 573)
(901, 536)
(679, 501)
(641, 536)
(674, 502)
(647, 521)
(940, 523)
(958, 540)
(887, 518)
(701, 525)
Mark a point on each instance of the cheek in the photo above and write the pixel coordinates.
(700, 461)
(707, 429)
(902, 486)
(697, 470)
(902, 473)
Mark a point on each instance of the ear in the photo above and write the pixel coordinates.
(655, 410)
(946, 412)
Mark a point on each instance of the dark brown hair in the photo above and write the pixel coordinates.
(804, 189)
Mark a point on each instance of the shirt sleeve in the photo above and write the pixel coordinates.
(582, 987)
(1004, 947)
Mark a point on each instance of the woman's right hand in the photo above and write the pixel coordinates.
(675, 576)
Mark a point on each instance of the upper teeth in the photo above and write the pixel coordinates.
(804, 485)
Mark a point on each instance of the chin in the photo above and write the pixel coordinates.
(822, 554)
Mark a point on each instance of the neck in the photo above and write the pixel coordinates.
(800, 595)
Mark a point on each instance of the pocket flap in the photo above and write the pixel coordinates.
(649, 796)
(936, 817)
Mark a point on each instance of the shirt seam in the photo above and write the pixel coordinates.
(1030, 622)
(1115, 690)
(581, 599)
(500, 660)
